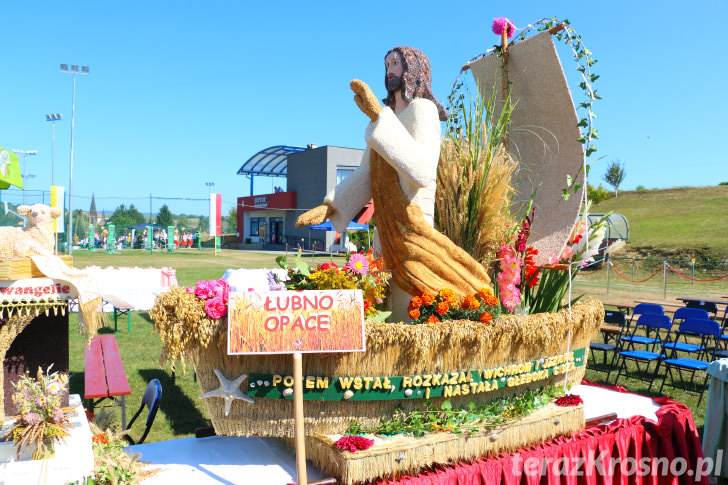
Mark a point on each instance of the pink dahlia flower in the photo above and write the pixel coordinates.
(215, 308)
(502, 24)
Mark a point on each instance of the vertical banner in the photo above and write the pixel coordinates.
(170, 239)
(91, 239)
(150, 239)
(215, 215)
(215, 219)
(57, 200)
(111, 241)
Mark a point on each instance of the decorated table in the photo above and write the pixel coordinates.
(658, 433)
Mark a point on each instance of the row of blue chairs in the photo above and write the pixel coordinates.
(648, 338)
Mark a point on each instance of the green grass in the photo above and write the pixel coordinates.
(181, 412)
(681, 221)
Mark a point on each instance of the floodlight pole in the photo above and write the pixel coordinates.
(53, 117)
(84, 71)
(24, 175)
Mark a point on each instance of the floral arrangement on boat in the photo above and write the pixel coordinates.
(41, 419)
(361, 272)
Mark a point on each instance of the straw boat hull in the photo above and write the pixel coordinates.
(462, 361)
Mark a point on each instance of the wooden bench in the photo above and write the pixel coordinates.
(121, 307)
(105, 377)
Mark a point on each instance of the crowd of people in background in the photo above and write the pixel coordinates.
(138, 240)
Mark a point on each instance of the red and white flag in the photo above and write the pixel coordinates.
(215, 215)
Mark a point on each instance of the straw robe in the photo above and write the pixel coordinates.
(399, 170)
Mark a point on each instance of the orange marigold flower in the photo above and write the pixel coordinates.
(452, 301)
(491, 300)
(100, 438)
(415, 302)
(446, 293)
(484, 293)
(414, 313)
(433, 319)
(442, 308)
(428, 298)
(470, 302)
(486, 317)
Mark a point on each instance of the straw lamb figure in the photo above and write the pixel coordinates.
(36, 238)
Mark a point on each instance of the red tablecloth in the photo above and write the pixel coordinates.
(625, 452)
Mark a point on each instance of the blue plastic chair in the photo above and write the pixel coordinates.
(682, 314)
(660, 324)
(617, 319)
(708, 331)
(643, 308)
(708, 306)
(644, 322)
(152, 397)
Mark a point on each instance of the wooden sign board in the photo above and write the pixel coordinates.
(284, 322)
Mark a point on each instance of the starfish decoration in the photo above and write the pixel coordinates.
(229, 390)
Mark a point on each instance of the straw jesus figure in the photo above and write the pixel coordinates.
(399, 171)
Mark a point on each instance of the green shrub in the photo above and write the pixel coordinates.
(641, 187)
(597, 195)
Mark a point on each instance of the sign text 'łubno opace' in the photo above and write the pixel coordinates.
(275, 322)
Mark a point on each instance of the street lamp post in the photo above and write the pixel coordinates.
(53, 117)
(25, 176)
(84, 71)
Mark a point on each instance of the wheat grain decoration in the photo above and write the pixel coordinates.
(474, 176)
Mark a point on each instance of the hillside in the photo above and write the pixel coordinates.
(680, 223)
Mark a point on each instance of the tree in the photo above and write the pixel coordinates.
(123, 217)
(164, 217)
(231, 221)
(614, 175)
(183, 221)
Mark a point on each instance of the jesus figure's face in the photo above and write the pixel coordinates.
(395, 69)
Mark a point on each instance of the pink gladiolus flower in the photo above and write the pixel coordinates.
(358, 264)
(215, 308)
(567, 253)
(53, 388)
(502, 24)
(553, 259)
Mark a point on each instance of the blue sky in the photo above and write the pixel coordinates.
(183, 93)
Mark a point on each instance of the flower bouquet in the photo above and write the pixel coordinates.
(41, 418)
(525, 288)
(362, 271)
